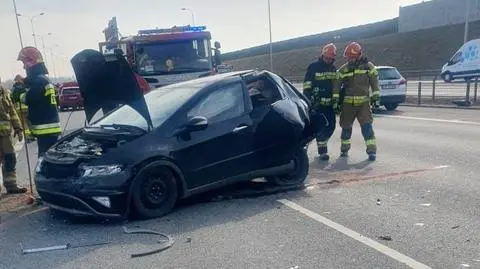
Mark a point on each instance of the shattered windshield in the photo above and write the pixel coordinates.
(176, 57)
(162, 103)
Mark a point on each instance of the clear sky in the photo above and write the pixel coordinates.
(77, 24)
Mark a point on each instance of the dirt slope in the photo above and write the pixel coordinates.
(420, 50)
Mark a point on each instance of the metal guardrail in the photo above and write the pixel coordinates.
(422, 90)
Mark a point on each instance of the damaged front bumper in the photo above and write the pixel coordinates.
(104, 197)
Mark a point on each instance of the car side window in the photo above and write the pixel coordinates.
(225, 103)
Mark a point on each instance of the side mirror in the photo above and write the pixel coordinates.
(197, 123)
(218, 57)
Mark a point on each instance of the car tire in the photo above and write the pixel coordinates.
(391, 107)
(448, 77)
(154, 191)
(298, 175)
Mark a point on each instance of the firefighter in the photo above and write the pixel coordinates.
(9, 120)
(40, 99)
(356, 77)
(22, 109)
(318, 87)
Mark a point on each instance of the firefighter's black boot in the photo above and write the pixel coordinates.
(15, 189)
(324, 157)
(372, 157)
(344, 154)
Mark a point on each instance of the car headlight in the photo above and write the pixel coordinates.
(100, 170)
(38, 168)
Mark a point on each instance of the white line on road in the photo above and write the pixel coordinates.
(430, 119)
(354, 235)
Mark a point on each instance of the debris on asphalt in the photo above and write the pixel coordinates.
(378, 202)
(385, 238)
(59, 247)
(30, 200)
(426, 204)
(168, 243)
(419, 224)
(456, 227)
(189, 240)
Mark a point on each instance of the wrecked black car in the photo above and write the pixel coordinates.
(204, 134)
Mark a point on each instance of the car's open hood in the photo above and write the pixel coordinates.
(106, 80)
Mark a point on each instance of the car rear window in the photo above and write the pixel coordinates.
(388, 74)
(70, 91)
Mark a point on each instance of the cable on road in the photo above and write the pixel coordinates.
(168, 243)
(68, 120)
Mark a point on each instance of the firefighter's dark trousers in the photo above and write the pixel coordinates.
(45, 142)
(326, 119)
(363, 113)
(8, 161)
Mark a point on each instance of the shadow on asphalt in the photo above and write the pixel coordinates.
(386, 112)
(244, 190)
(49, 228)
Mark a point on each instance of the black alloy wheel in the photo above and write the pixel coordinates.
(154, 191)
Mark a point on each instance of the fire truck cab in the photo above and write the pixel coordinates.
(167, 56)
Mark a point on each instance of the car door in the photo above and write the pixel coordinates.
(278, 128)
(223, 150)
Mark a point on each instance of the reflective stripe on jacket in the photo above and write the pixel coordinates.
(358, 79)
(8, 115)
(46, 129)
(42, 105)
(319, 82)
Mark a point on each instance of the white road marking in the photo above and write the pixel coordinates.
(354, 235)
(430, 119)
(441, 167)
(419, 224)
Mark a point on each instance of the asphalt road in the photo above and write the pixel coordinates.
(421, 197)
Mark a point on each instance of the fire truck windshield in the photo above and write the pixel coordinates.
(173, 57)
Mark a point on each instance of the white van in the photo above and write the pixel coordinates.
(465, 63)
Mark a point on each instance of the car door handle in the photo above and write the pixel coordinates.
(240, 128)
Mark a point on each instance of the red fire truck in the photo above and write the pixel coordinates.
(166, 56)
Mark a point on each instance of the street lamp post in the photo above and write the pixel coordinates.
(33, 27)
(18, 24)
(467, 19)
(193, 14)
(270, 31)
(31, 23)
